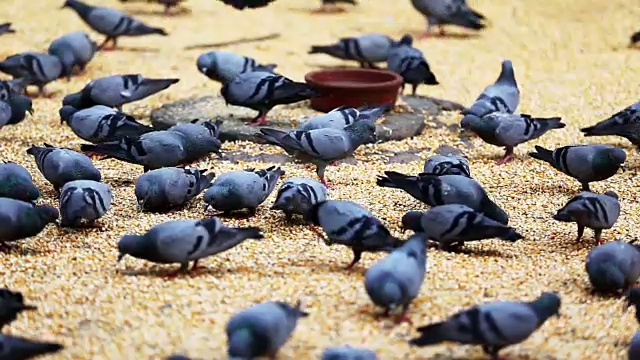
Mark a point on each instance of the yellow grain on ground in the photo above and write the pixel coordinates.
(570, 59)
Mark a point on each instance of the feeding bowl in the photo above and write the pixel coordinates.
(353, 87)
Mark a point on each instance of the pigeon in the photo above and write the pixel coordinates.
(37, 68)
(167, 188)
(585, 163)
(19, 348)
(298, 195)
(243, 189)
(181, 241)
(591, 210)
(73, 49)
(625, 123)
(447, 165)
(410, 63)
(175, 357)
(452, 225)
(12, 88)
(262, 329)
(348, 223)
(14, 110)
(20, 220)
(493, 325)
(201, 139)
(11, 304)
(635, 38)
(5, 28)
(365, 49)
(613, 266)
(342, 116)
(322, 147)
(448, 12)
(111, 23)
(60, 165)
(262, 90)
(116, 90)
(16, 183)
(435, 190)
(168, 4)
(223, 66)
(331, 6)
(348, 353)
(83, 201)
(634, 346)
(633, 298)
(503, 96)
(395, 280)
(510, 130)
(100, 123)
(244, 4)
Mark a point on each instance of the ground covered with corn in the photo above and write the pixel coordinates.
(570, 59)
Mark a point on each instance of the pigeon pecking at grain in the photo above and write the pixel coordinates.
(297, 195)
(613, 266)
(100, 123)
(331, 6)
(366, 49)
(60, 165)
(35, 68)
(167, 188)
(625, 123)
(73, 49)
(590, 210)
(447, 165)
(223, 66)
(410, 63)
(20, 220)
(82, 202)
(168, 4)
(247, 4)
(201, 138)
(448, 12)
(16, 183)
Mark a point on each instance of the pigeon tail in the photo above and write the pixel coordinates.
(635, 38)
(542, 154)
(292, 92)
(511, 235)
(430, 335)
(396, 180)
(144, 29)
(552, 122)
(111, 149)
(493, 211)
(322, 49)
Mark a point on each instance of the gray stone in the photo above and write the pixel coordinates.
(239, 156)
(448, 150)
(405, 157)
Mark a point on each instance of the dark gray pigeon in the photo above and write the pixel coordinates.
(12, 88)
(262, 329)
(111, 23)
(20, 220)
(298, 195)
(60, 165)
(83, 202)
(591, 210)
(5, 28)
(454, 224)
(223, 66)
(348, 223)
(395, 280)
(11, 305)
(14, 110)
(410, 63)
(348, 353)
(116, 90)
(435, 190)
(100, 123)
(243, 189)
(365, 49)
(182, 241)
(585, 163)
(167, 188)
(331, 6)
(247, 4)
(73, 49)
(262, 90)
(510, 130)
(19, 348)
(447, 165)
(625, 123)
(493, 325)
(168, 4)
(633, 298)
(201, 139)
(342, 116)
(16, 183)
(36, 68)
(635, 38)
(448, 12)
(173, 357)
(613, 266)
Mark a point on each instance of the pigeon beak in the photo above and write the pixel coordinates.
(120, 256)
(206, 207)
(203, 70)
(30, 111)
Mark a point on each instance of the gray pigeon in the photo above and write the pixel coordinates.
(348, 223)
(201, 139)
(181, 241)
(452, 225)
(21, 220)
(60, 165)
(447, 165)
(73, 49)
(342, 116)
(5, 28)
(11, 305)
(100, 123)
(503, 96)
(510, 130)
(262, 329)
(36, 68)
(436, 190)
(591, 210)
(298, 195)
(448, 12)
(168, 4)
(111, 23)
(348, 353)
(633, 298)
(12, 88)
(247, 4)
(262, 90)
(625, 123)
(395, 280)
(167, 188)
(410, 63)
(223, 66)
(19, 348)
(116, 90)
(613, 266)
(243, 189)
(366, 49)
(16, 183)
(585, 163)
(83, 201)
(331, 6)
(493, 325)
(14, 110)
(322, 147)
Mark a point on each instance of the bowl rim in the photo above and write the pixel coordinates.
(395, 82)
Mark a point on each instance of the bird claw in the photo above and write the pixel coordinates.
(403, 318)
(258, 121)
(504, 160)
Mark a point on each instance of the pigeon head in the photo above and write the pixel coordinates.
(412, 220)
(206, 64)
(66, 112)
(407, 39)
(20, 105)
(135, 246)
(74, 100)
(616, 156)
(363, 132)
(612, 194)
(47, 213)
(635, 38)
(507, 75)
(546, 306)
(469, 121)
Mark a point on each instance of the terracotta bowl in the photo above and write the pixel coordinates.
(353, 87)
